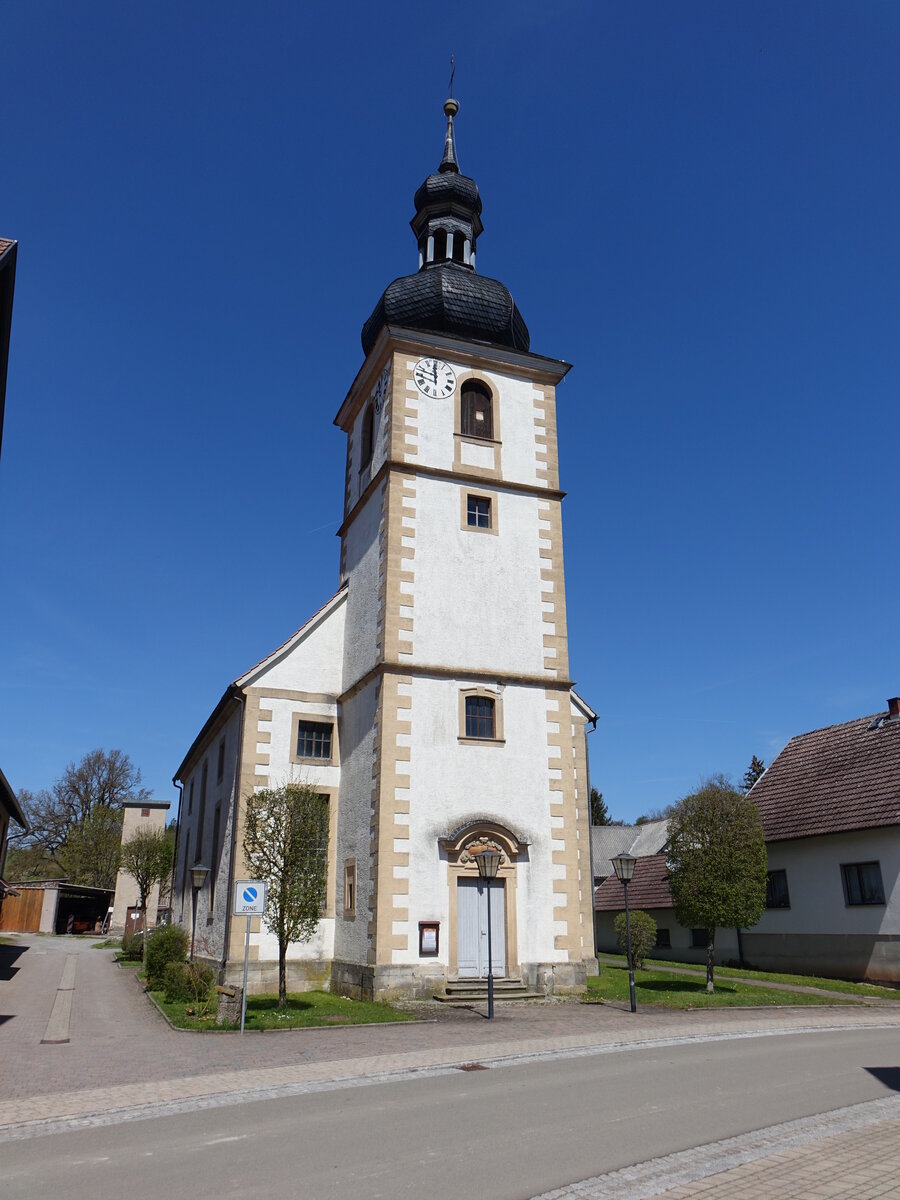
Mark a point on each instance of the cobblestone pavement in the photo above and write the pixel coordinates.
(849, 1154)
(124, 1060)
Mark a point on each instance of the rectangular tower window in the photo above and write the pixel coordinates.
(220, 765)
(479, 717)
(350, 888)
(478, 512)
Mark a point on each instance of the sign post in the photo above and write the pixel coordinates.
(249, 901)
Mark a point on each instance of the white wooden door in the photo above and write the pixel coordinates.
(471, 928)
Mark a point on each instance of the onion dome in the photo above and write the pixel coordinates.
(446, 295)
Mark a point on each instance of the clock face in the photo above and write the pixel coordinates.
(434, 378)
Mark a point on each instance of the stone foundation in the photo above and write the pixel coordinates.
(557, 979)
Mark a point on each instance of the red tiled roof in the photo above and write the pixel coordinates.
(648, 889)
(833, 780)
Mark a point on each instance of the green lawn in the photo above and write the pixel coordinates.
(304, 1009)
(831, 985)
(659, 988)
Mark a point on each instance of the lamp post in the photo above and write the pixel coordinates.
(198, 878)
(623, 865)
(488, 863)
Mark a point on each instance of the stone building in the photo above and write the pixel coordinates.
(430, 699)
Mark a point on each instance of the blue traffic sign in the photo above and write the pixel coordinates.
(250, 894)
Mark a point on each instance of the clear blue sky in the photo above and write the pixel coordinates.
(696, 204)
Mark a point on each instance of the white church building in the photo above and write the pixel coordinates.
(430, 699)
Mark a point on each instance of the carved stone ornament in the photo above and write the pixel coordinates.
(476, 845)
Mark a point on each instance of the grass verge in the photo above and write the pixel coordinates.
(832, 985)
(661, 989)
(304, 1010)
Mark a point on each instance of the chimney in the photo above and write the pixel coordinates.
(894, 706)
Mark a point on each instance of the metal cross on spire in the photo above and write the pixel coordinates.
(452, 73)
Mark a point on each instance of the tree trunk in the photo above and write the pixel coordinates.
(710, 958)
(282, 973)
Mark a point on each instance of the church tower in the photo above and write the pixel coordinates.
(459, 728)
(429, 701)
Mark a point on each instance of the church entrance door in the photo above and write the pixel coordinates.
(471, 925)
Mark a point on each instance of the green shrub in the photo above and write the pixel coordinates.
(189, 982)
(167, 944)
(643, 935)
(132, 946)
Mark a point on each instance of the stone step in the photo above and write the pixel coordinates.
(474, 991)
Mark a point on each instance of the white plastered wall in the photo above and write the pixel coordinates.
(490, 614)
(361, 557)
(451, 782)
(513, 415)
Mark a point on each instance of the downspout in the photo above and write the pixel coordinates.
(234, 815)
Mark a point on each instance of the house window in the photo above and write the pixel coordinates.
(663, 939)
(313, 740)
(368, 438)
(350, 887)
(220, 764)
(198, 849)
(477, 411)
(862, 883)
(478, 512)
(214, 865)
(699, 938)
(145, 812)
(777, 890)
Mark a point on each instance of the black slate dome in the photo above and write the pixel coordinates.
(446, 295)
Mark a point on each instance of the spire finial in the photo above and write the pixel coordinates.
(451, 108)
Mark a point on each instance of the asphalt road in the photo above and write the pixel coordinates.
(512, 1131)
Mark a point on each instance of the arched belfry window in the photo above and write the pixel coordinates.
(459, 248)
(477, 410)
(440, 245)
(368, 438)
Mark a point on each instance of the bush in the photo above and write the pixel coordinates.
(132, 946)
(188, 982)
(167, 944)
(643, 935)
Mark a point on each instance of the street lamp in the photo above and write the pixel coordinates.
(623, 865)
(488, 863)
(198, 878)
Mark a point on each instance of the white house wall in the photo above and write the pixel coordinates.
(820, 931)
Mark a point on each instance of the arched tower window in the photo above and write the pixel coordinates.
(477, 410)
(459, 248)
(440, 245)
(368, 438)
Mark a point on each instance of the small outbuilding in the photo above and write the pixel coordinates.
(47, 905)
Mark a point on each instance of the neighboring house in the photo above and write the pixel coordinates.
(10, 810)
(430, 699)
(830, 805)
(126, 901)
(649, 891)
